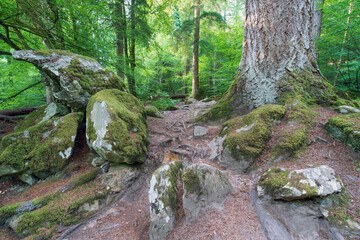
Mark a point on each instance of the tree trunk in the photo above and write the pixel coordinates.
(131, 79)
(318, 18)
(195, 83)
(119, 31)
(278, 42)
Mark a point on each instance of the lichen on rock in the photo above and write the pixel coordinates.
(247, 136)
(116, 127)
(72, 78)
(42, 149)
(299, 184)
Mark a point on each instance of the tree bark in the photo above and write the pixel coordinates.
(278, 41)
(18, 111)
(131, 79)
(195, 83)
(119, 31)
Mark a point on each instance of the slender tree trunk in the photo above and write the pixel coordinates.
(278, 42)
(338, 65)
(131, 79)
(195, 83)
(119, 31)
(126, 49)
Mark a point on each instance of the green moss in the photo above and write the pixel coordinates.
(9, 210)
(38, 148)
(152, 111)
(338, 212)
(191, 180)
(45, 199)
(292, 138)
(92, 81)
(248, 135)
(83, 178)
(127, 131)
(345, 128)
(32, 119)
(275, 179)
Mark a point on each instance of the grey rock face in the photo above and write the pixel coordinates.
(72, 78)
(200, 132)
(299, 184)
(119, 178)
(116, 127)
(348, 109)
(203, 185)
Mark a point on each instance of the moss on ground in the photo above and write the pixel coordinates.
(9, 210)
(127, 130)
(41, 148)
(248, 135)
(152, 111)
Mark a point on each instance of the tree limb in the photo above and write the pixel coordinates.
(18, 93)
(17, 111)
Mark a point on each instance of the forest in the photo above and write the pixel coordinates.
(151, 43)
(167, 119)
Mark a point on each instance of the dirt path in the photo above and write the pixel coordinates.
(171, 138)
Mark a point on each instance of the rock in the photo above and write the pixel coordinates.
(203, 186)
(120, 177)
(43, 114)
(94, 159)
(299, 184)
(42, 149)
(72, 78)
(354, 225)
(348, 109)
(27, 178)
(152, 111)
(345, 128)
(116, 127)
(165, 143)
(200, 132)
(204, 105)
(247, 136)
(162, 198)
(26, 207)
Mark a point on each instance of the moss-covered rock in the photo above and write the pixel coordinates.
(299, 184)
(152, 111)
(116, 127)
(42, 114)
(247, 136)
(72, 78)
(42, 149)
(345, 128)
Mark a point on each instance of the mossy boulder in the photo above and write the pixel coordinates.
(299, 184)
(196, 186)
(152, 111)
(345, 128)
(72, 78)
(42, 114)
(116, 127)
(42, 149)
(247, 136)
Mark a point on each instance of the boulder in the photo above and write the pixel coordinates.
(116, 127)
(120, 177)
(202, 186)
(200, 132)
(42, 149)
(162, 197)
(72, 78)
(299, 184)
(345, 128)
(152, 111)
(347, 109)
(42, 114)
(247, 136)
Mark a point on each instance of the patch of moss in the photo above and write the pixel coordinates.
(9, 210)
(275, 179)
(248, 135)
(152, 111)
(38, 148)
(83, 178)
(345, 128)
(191, 180)
(127, 130)
(338, 212)
(31, 119)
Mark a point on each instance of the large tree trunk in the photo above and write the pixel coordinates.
(195, 83)
(278, 42)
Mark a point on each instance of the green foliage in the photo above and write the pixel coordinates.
(164, 103)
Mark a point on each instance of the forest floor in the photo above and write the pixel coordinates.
(171, 138)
